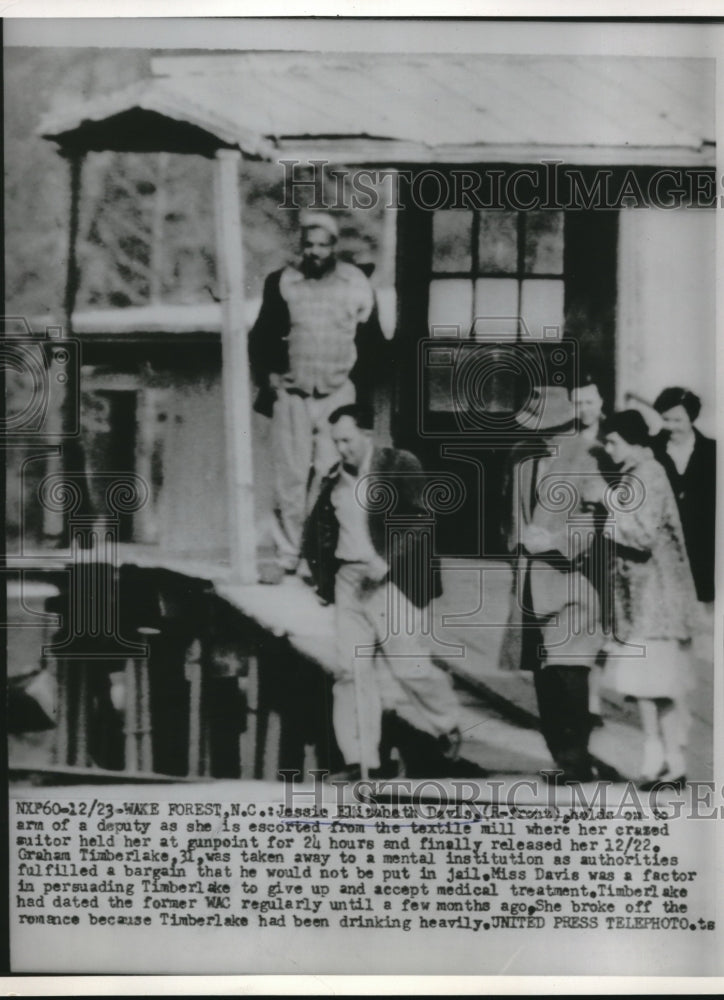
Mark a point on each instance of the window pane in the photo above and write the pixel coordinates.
(452, 232)
(451, 305)
(544, 242)
(541, 307)
(439, 368)
(498, 242)
(472, 378)
(496, 309)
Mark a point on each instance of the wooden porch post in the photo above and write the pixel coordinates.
(235, 367)
(62, 418)
(75, 160)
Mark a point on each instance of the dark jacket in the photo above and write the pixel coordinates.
(695, 492)
(268, 347)
(395, 491)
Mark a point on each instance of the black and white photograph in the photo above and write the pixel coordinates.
(361, 497)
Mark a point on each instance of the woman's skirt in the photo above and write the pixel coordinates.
(653, 668)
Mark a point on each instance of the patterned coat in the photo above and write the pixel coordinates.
(316, 333)
(654, 596)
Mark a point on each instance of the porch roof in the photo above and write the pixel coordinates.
(408, 108)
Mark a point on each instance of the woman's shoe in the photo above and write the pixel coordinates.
(675, 784)
(654, 763)
(647, 783)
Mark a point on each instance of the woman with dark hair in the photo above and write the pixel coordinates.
(690, 462)
(654, 598)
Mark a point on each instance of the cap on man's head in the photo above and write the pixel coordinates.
(309, 219)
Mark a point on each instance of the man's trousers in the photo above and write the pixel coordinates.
(303, 452)
(383, 666)
(561, 687)
(565, 720)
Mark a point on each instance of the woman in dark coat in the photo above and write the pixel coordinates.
(689, 459)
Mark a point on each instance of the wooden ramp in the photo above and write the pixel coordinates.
(279, 648)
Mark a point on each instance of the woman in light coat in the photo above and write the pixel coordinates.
(654, 598)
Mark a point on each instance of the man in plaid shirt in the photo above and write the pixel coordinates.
(313, 348)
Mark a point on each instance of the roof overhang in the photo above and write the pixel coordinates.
(363, 109)
(145, 118)
(392, 154)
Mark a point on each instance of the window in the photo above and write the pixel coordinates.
(497, 274)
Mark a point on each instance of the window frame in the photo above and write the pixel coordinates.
(520, 275)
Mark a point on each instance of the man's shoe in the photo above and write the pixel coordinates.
(578, 777)
(676, 783)
(388, 771)
(568, 776)
(450, 744)
(605, 772)
(352, 772)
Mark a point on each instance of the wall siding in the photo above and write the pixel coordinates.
(666, 323)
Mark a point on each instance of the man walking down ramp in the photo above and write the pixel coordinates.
(381, 593)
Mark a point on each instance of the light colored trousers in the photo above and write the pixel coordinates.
(383, 668)
(303, 451)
